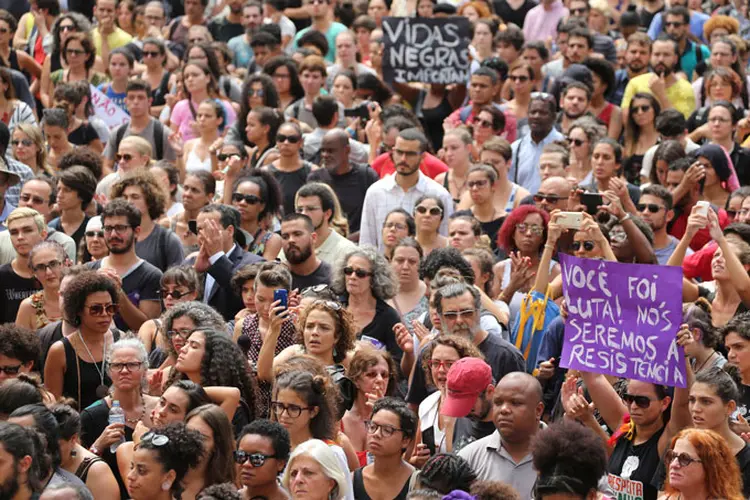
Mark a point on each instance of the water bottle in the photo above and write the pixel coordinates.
(116, 416)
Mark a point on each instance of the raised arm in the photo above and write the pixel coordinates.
(225, 397)
(735, 268)
(680, 417)
(606, 399)
(264, 366)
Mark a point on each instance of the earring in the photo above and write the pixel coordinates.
(73, 453)
(166, 485)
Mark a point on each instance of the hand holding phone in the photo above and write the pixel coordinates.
(282, 296)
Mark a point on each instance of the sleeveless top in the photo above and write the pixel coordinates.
(40, 316)
(159, 93)
(83, 470)
(290, 183)
(446, 185)
(258, 247)
(81, 378)
(360, 493)
(606, 115)
(432, 118)
(632, 468)
(408, 316)
(195, 164)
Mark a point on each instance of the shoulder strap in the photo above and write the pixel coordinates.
(120, 134)
(296, 109)
(174, 26)
(159, 139)
(698, 53)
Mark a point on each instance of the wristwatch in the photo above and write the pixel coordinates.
(95, 450)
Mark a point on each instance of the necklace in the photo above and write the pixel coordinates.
(102, 390)
(461, 188)
(705, 362)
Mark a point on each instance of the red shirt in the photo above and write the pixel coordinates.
(698, 265)
(431, 166)
(702, 237)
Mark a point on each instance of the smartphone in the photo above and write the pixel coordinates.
(428, 439)
(703, 207)
(570, 220)
(282, 296)
(592, 201)
(193, 226)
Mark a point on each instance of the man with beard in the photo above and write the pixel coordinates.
(670, 91)
(318, 202)
(19, 475)
(655, 208)
(138, 281)
(527, 150)
(637, 55)
(226, 27)
(677, 26)
(321, 13)
(575, 101)
(505, 455)
(220, 256)
(252, 18)
(401, 190)
(350, 181)
(297, 240)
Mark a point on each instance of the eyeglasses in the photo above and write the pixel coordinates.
(25, 142)
(103, 310)
(126, 157)
(641, 109)
(484, 123)
(154, 439)
(385, 430)
(250, 199)
(256, 459)
(587, 245)
(682, 458)
(436, 364)
(454, 315)
(640, 401)
(75, 52)
(183, 334)
(256, 93)
(477, 184)
(51, 265)
(652, 207)
(10, 370)
(291, 139)
(395, 225)
(148, 53)
(519, 78)
(117, 228)
(292, 411)
(361, 273)
(535, 229)
(550, 198)
(434, 211)
(175, 294)
(576, 142)
(335, 306)
(27, 198)
(225, 157)
(68, 27)
(91, 234)
(131, 367)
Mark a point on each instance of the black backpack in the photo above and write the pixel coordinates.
(158, 138)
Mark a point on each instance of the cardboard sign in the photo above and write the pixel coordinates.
(623, 320)
(426, 50)
(107, 110)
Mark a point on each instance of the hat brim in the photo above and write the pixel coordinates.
(458, 406)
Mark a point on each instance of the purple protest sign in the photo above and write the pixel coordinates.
(623, 320)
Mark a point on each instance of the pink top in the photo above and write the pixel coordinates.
(541, 24)
(182, 116)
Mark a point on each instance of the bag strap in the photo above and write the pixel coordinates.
(159, 139)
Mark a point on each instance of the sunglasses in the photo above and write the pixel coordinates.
(484, 123)
(335, 306)
(291, 139)
(640, 401)
(10, 370)
(256, 459)
(256, 93)
(577, 142)
(576, 12)
(641, 109)
(652, 207)
(250, 199)
(51, 265)
(68, 27)
(25, 142)
(225, 157)
(549, 198)
(361, 273)
(534, 228)
(126, 157)
(102, 310)
(151, 54)
(75, 52)
(682, 458)
(154, 439)
(587, 245)
(731, 213)
(315, 289)
(175, 294)
(434, 211)
(98, 234)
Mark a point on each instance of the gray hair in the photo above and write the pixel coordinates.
(135, 344)
(591, 127)
(383, 280)
(204, 317)
(456, 290)
(329, 463)
(81, 492)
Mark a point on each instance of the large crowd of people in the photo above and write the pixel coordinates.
(239, 260)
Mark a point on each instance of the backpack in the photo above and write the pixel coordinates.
(158, 138)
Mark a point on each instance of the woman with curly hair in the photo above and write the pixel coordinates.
(162, 459)
(283, 71)
(640, 133)
(75, 366)
(154, 243)
(522, 237)
(700, 462)
(374, 375)
(365, 281)
(209, 357)
(217, 464)
(603, 73)
(446, 472)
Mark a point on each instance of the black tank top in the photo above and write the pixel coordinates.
(290, 183)
(360, 493)
(90, 378)
(432, 118)
(159, 93)
(632, 468)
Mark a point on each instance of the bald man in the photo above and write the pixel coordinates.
(505, 455)
(348, 180)
(553, 194)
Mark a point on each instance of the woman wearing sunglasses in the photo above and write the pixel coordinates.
(92, 246)
(640, 133)
(27, 145)
(217, 462)
(290, 170)
(257, 196)
(428, 215)
(64, 26)
(156, 74)
(75, 366)
(482, 184)
(47, 260)
(161, 462)
(702, 465)
(582, 135)
(522, 77)
(261, 456)
(398, 225)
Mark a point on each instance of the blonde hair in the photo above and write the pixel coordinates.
(25, 212)
(35, 134)
(326, 458)
(141, 145)
(602, 6)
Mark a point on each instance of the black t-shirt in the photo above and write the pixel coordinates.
(142, 283)
(223, 31)
(510, 15)
(77, 235)
(322, 275)
(350, 189)
(290, 183)
(632, 468)
(467, 431)
(83, 135)
(381, 328)
(13, 289)
(646, 17)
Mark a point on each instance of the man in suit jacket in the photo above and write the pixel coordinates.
(220, 256)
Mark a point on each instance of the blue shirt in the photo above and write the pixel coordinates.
(524, 170)
(331, 35)
(7, 209)
(697, 20)
(243, 53)
(689, 58)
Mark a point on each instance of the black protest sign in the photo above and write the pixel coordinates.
(426, 50)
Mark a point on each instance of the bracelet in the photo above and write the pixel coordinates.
(551, 247)
(95, 450)
(627, 217)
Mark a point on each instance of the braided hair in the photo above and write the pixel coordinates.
(446, 472)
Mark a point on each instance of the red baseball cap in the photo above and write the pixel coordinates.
(467, 379)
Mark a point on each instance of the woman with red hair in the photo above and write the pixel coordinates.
(522, 237)
(701, 463)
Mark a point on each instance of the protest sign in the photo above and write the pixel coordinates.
(106, 109)
(426, 50)
(623, 320)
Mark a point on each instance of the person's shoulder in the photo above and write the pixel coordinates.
(6, 269)
(643, 79)
(149, 271)
(95, 409)
(497, 346)
(476, 447)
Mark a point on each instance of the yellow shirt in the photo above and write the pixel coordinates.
(118, 38)
(680, 94)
